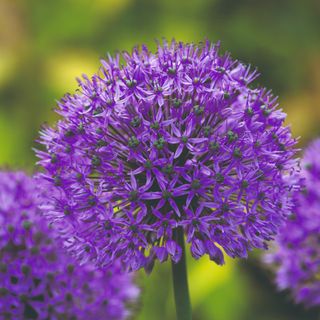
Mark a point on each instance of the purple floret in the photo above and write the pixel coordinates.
(296, 258)
(37, 279)
(168, 140)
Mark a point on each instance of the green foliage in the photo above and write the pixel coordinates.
(46, 44)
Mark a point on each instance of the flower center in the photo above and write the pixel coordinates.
(131, 83)
(195, 222)
(155, 125)
(165, 224)
(69, 133)
(172, 71)
(225, 207)
(166, 194)
(214, 146)
(92, 201)
(184, 139)
(168, 169)
(198, 110)
(133, 228)
(195, 184)
(158, 89)
(133, 195)
(148, 164)
(237, 153)
(66, 211)
(101, 143)
(96, 161)
(159, 144)
(107, 225)
(176, 103)
(196, 80)
(249, 111)
(232, 136)
(206, 131)
(135, 122)
(133, 142)
(244, 184)
(219, 178)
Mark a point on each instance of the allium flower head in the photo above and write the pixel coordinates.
(37, 279)
(297, 254)
(176, 139)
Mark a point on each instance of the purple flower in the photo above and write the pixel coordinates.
(297, 254)
(168, 140)
(37, 279)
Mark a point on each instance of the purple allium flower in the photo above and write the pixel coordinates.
(37, 279)
(297, 256)
(176, 139)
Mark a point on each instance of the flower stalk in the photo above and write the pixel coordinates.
(180, 281)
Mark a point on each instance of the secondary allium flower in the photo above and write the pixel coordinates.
(37, 279)
(297, 256)
(176, 139)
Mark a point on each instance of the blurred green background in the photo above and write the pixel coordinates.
(44, 45)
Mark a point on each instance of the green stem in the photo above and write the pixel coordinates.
(180, 281)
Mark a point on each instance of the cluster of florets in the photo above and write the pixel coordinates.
(297, 257)
(37, 279)
(176, 139)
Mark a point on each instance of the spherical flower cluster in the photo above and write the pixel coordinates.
(37, 279)
(176, 139)
(297, 255)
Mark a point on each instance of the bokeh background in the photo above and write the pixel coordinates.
(44, 45)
